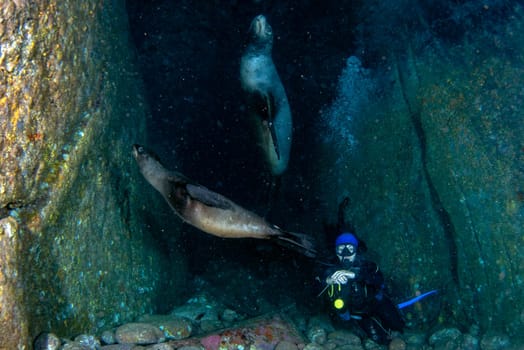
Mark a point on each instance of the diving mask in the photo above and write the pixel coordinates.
(346, 252)
(346, 249)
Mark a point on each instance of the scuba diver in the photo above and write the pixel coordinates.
(355, 288)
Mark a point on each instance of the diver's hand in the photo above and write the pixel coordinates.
(340, 277)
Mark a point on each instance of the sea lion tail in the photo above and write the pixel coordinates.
(299, 242)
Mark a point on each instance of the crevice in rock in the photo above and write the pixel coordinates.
(442, 213)
(436, 202)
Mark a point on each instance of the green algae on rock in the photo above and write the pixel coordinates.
(70, 105)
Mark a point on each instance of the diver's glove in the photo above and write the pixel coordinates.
(340, 277)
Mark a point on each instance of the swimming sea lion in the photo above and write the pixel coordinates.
(210, 211)
(266, 98)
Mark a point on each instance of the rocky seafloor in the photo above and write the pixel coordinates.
(228, 312)
(201, 323)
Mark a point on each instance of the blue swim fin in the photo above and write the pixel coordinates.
(415, 299)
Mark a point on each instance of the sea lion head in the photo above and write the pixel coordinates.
(149, 165)
(143, 156)
(260, 32)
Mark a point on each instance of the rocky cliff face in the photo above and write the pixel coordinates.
(74, 246)
(472, 123)
(435, 172)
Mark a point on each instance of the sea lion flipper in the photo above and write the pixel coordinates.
(208, 197)
(270, 100)
(265, 103)
(178, 179)
(299, 242)
(271, 107)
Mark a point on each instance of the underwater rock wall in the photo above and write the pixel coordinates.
(435, 175)
(471, 115)
(75, 252)
(380, 170)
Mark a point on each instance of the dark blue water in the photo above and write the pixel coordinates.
(189, 54)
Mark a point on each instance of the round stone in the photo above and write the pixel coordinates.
(139, 333)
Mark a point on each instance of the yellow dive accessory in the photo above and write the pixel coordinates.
(338, 303)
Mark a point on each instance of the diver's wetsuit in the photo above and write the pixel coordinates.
(363, 300)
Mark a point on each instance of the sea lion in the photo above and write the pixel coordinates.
(211, 212)
(266, 98)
